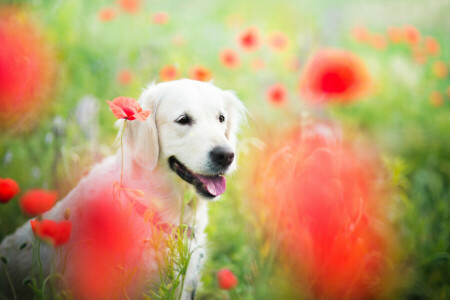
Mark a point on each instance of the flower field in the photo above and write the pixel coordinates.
(342, 189)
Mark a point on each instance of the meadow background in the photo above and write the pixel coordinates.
(92, 51)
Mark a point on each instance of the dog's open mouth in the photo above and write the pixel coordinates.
(206, 185)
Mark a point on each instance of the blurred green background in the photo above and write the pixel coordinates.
(405, 119)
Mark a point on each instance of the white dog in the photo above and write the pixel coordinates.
(188, 141)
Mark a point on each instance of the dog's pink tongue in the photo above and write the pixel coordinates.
(215, 185)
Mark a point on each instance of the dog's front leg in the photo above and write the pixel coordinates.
(193, 273)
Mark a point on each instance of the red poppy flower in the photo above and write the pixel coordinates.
(229, 58)
(394, 34)
(8, 189)
(258, 64)
(112, 245)
(130, 6)
(160, 18)
(124, 77)
(27, 68)
(278, 41)
(436, 99)
(333, 74)
(419, 55)
(168, 73)
(36, 202)
(179, 41)
(127, 108)
(249, 39)
(360, 33)
(277, 94)
(106, 14)
(432, 46)
(200, 73)
(57, 233)
(378, 41)
(293, 64)
(226, 279)
(439, 69)
(411, 34)
(321, 194)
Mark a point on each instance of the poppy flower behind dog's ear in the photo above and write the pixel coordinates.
(8, 189)
(57, 233)
(128, 109)
(36, 202)
(168, 73)
(200, 73)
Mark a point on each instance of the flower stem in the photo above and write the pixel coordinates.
(10, 282)
(121, 150)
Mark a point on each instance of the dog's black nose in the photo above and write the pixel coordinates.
(222, 156)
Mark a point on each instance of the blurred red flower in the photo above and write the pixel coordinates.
(378, 41)
(432, 46)
(107, 14)
(27, 69)
(326, 198)
(395, 35)
(160, 18)
(333, 74)
(278, 41)
(112, 244)
(200, 73)
(293, 64)
(229, 58)
(226, 279)
(36, 202)
(439, 69)
(57, 233)
(411, 35)
(360, 33)
(124, 77)
(258, 64)
(130, 6)
(168, 73)
(179, 41)
(436, 99)
(128, 109)
(249, 39)
(8, 189)
(419, 55)
(277, 94)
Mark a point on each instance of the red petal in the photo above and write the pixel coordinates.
(116, 110)
(142, 116)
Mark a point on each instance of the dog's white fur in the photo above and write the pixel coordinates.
(147, 147)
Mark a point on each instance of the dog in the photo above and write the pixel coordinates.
(188, 142)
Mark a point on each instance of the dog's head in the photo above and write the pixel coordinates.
(191, 131)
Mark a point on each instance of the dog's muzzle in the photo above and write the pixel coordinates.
(208, 186)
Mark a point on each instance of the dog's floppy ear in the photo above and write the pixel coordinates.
(141, 138)
(236, 114)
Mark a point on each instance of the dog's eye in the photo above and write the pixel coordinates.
(221, 118)
(184, 120)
